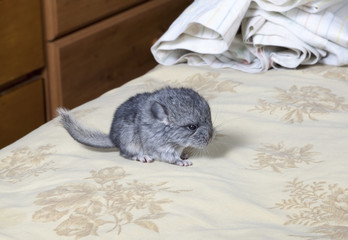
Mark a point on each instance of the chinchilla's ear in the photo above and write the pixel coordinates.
(159, 112)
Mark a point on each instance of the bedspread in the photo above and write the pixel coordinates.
(277, 168)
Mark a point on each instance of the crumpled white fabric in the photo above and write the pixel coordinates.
(286, 5)
(274, 34)
(206, 27)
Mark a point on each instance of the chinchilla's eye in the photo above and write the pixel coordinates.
(192, 127)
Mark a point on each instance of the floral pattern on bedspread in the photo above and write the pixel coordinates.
(106, 198)
(299, 103)
(25, 162)
(330, 72)
(278, 157)
(207, 84)
(320, 206)
(277, 168)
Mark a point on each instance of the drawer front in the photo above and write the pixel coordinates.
(64, 16)
(21, 111)
(87, 63)
(21, 49)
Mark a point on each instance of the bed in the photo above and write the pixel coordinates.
(277, 168)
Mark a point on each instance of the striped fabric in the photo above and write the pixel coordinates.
(257, 35)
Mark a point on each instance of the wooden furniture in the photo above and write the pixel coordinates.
(90, 46)
(21, 59)
(85, 60)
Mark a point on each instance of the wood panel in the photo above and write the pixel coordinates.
(21, 110)
(64, 16)
(89, 62)
(21, 48)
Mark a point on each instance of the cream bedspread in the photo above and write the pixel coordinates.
(277, 169)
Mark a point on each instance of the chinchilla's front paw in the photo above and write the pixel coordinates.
(143, 158)
(183, 163)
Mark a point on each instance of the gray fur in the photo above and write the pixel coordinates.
(149, 126)
(82, 133)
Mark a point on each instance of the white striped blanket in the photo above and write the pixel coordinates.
(257, 35)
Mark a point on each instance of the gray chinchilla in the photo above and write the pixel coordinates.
(149, 126)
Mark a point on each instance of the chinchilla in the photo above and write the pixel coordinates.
(152, 126)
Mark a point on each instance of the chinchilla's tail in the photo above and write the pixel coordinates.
(84, 134)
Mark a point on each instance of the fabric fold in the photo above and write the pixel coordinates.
(205, 27)
(254, 36)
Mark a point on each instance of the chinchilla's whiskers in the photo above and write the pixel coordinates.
(210, 151)
(225, 124)
(214, 119)
(217, 123)
(196, 153)
(216, 126)
(207, 152)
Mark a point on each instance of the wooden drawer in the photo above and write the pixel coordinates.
(21, 48)
(87, 63)
(64, 16)
(21, 110)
